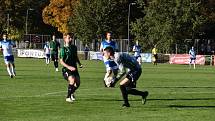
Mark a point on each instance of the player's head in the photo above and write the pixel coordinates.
(4, 36)
(192, 48)
(108, 52)
(53, 37)
(108, 36)
(67, 38)
(137, 43)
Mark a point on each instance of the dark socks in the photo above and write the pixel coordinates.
(135, 92)
(124, 94)
(71, 90)
(55, 64)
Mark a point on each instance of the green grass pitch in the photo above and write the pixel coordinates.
(177, 93)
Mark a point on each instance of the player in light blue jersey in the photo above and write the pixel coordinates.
(192, 54)
(111, 66)
(127, 85)
(7, 46)
(47, 50)
(137, 51)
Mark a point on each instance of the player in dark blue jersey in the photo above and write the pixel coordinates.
(128, 84)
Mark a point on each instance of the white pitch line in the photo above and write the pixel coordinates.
(59, 92)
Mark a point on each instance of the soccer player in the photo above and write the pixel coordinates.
(54, 45)
(192, 54)
(137, 51)
(111, 66)
(69, 60)
(7, 46)
(155, 55)
(128, 84)
(47, 50)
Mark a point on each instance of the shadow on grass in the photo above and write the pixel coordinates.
(178, 99)
(189, 106)
(182, 87)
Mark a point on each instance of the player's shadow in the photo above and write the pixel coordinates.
(183, 87)
(189, 106)
(182, 99)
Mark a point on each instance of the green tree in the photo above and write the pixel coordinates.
(95, 17)
(167, 22)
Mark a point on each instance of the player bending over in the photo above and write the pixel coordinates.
(111, 66)
(69, 59)
(7, 46)
(128, 84)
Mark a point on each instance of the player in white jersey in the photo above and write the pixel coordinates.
(137, 51)
(111, 66)
(128, 84)
(7, 46)
(47, 51)
(192, 54)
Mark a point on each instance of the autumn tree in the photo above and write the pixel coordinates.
(58, 14)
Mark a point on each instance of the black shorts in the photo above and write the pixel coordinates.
(133, 76)
(68, 73)
(54, 56)
(155, 56)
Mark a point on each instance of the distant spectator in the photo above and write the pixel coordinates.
(202, 49)
(86, 51)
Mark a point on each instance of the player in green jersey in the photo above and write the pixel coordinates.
(69, 59)
(55, 46)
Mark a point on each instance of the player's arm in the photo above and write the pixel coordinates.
(101, 48)
(134, 49)
(122, 72)
(71, 68)
(79, 62)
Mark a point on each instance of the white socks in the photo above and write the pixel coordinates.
(9, 71)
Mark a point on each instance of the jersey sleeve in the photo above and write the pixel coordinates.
(62, 53)
(101, 47)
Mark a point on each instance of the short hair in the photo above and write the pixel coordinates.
(110, 50)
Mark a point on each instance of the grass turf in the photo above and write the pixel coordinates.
(177, 93)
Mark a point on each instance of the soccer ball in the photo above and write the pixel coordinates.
(108, 81)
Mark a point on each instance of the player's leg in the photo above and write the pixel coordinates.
(194, 63)
(7, 64)
(139, 60)
(190, 62)
(133, 76)
(77, 84)
(56, 62)
(123, 85)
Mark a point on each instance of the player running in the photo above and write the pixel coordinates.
(192, 54)
(7, 46)
(128, 84)
(155, 55)
(137, 51)
(69, 60)
(111, 66)
(54, 45)
(47, 50)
